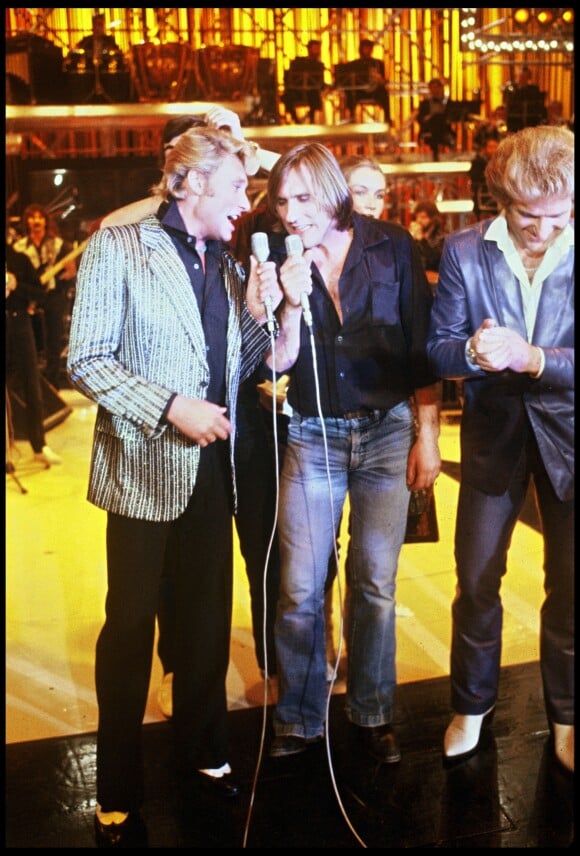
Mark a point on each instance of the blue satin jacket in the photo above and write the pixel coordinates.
(475, 282)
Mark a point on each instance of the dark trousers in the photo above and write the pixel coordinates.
(256, 483)
(55, 309)
(22, 371)
(294, 98)
(256, 487)
(485, 525)
(379, 96)
(202, 579)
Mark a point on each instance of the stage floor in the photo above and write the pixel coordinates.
(511, 794)
(56, 585)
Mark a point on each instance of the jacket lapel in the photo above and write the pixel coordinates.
(171, 273)
(506, 291)
(556, 307)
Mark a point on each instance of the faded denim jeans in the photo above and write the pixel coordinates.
(367, 457)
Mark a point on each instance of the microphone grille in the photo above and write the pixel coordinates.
(260, 246)
(294, 245)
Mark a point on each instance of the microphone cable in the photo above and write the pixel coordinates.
(271, 330)
(307, 315)
(308, 321)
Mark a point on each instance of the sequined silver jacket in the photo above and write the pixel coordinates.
(136, 338)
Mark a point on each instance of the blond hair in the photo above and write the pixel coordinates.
(203, 149)
(532, 164)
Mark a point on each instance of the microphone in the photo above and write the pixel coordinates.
(260, 246)
(261, 250)
(293, 245)
(294, 248)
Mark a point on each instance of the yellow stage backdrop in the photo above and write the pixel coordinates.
(416, 44)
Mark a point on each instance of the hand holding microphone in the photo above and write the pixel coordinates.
(261, 251)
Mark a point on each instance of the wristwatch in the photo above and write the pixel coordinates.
(470, 353)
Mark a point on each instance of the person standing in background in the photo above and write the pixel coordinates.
(371, 80)
(161, 338)
(367, 183)
(368, 187)
(495, 127)
(435, 129)
(503, 320)
(22, 289)
(99, 46)
(45, 248)
(428, 230)
(525, 102)
(555, 114)
(484, 205)
(309, 69)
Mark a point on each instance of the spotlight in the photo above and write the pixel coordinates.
(521, 17)
(545, 18)
(567, 21)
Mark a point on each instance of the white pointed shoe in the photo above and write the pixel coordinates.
(463, 733)
(564, 745)
(47, 456)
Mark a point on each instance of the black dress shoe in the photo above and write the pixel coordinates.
(287, 744)
(380, 742)
(223, 786)
(290, 744)
(131, 833)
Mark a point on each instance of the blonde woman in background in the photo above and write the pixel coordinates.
(367, 183)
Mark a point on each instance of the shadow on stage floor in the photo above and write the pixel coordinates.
(511, 794)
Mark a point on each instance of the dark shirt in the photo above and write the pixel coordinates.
(525, 106)
(45, 255)
(431, 249)
(376, 358)
(304, 72)
(361, 84)
(210, 294)
(28, 288)
(434, 126)
(313, 68)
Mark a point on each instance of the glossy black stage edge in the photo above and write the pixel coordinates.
(511, 794)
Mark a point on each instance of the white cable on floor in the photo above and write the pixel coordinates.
(264, 594)
(308, 320)
(341, 623)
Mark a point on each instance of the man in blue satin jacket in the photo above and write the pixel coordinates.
(503, 322)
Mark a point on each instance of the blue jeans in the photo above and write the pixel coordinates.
(368, 458)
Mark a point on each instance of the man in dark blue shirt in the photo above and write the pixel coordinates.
(365, 421)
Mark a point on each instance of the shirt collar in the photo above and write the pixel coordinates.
(173, 221)
(498, 232)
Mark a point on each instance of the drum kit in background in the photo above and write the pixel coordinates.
(170, 71)
(103, 77)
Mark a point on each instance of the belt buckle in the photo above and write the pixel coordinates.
(375, 414)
